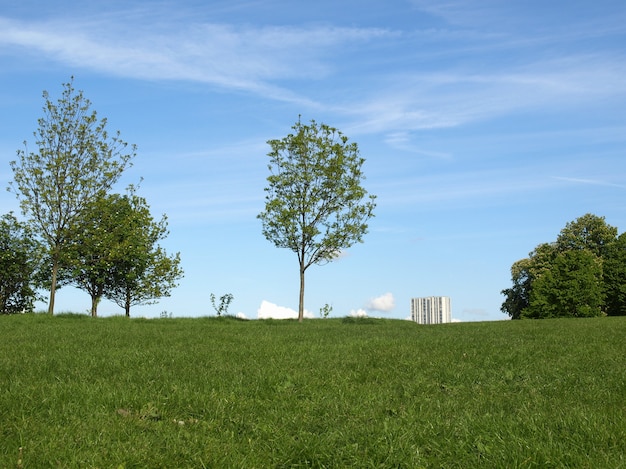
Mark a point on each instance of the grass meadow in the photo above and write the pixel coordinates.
(79, 392)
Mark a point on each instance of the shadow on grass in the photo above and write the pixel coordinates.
(365, 320)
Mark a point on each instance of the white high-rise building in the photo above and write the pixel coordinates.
(431, 310)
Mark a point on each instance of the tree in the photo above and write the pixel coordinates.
(544, 281)
(101, 241)
(20, 258)
(614, 269)
(315, 204)
(225, 301)
(589, 232)
(76, 162)
(517, 298)
(571, 287)
(523, 273)
(142, 271)
(135, 287)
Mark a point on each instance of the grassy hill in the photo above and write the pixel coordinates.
(218, 392)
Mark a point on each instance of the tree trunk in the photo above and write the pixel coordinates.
(127, 304)
(301, 303)
(95, 299)
(53, 283)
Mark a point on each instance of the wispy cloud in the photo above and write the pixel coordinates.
(404, 141)
(464, 187)
(431, 100)
(579, 20)
(236, 57)
(593, 182)
(411, 94)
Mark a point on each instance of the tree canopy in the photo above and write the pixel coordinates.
(76, 162)
(589, 232)
(315, 204)
(570, 287)
(581, 274)
(20, 259)
(114, 253)
(614, 270)
(142, 271)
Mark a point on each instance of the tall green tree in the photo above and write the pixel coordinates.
(76, 162)
(614, 270)
(156, 281)
(315, 204)
(571, 287)
(569, 271)
(142, 272)
(114, 253)
(99, 243)
(20, 259)
(523, 273)
(589, 232)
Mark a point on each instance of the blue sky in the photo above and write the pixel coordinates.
(486, 126)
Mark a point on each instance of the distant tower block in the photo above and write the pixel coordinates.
(431, 310)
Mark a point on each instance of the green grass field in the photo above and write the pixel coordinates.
(222, 393)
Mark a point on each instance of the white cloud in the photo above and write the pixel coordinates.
(340, 255)
(260, 60)
(384, 303)
(269, 310)
(358, 313)
(236, 57)
(241, 315)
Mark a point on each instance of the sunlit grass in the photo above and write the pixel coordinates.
(218, 392)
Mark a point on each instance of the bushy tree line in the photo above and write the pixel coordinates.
(581, 274)
(77, 232)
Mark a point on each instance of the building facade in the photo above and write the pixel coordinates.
(431, 310)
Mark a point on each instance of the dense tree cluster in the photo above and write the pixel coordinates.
(581, 274)
(20, 261)
(103, 243)
(114, 253)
